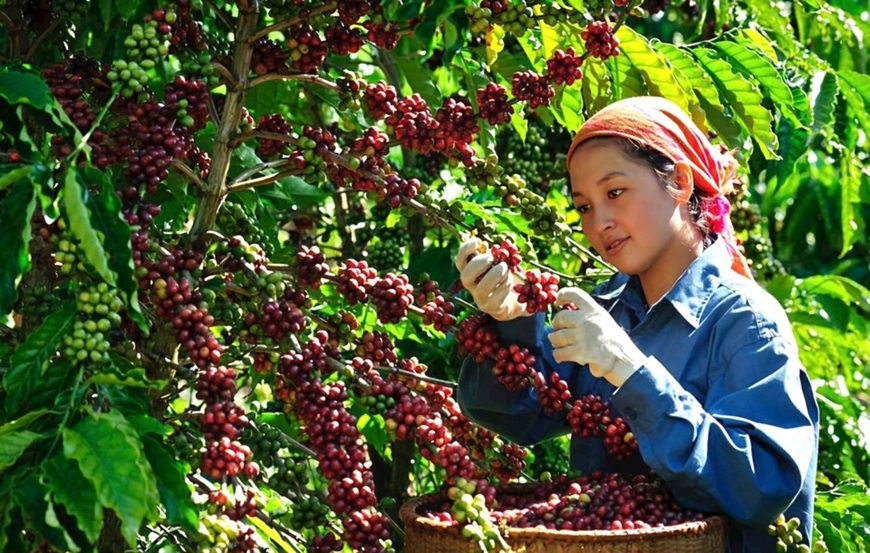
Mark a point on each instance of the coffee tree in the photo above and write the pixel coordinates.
(231, 321)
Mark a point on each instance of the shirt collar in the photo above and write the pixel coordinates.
(689, 295)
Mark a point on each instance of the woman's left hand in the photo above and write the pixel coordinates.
(590, 336)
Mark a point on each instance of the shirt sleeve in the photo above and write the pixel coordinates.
(515, 414)
(747, 450)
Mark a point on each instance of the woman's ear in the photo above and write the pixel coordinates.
(684, 181)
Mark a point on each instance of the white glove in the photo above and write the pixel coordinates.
(590, 336)
(492, 287)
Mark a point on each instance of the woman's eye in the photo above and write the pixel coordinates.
(615, 193)
(582, 209)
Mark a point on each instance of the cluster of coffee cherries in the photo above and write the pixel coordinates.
(598, 501)
(99, 315)
(518, 17)
(145, 46)
(470, 510)
(223, 534)
(789, 538)
(66, 256)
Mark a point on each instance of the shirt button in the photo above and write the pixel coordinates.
(630, 414)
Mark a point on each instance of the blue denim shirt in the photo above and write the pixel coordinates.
(722, 409)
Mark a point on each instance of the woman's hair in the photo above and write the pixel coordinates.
(664, 168)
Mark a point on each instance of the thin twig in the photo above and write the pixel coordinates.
(228, 24)
(261, 181)
(259, 168)
(281, 25)
(589, 253)
(304, 77)
(8, 22)
(228, 77)
(417, 376)
(188, 172)
(45, 34)
(279, 137)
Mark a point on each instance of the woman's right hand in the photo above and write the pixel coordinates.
(491, 286)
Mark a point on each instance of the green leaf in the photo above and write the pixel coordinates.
(551, 38)
(13, 445)
(14, 175)
(793, 144)
(175, 494)
(22, 421)
(30, 495)
(260, 100)
(744, 99)
(75, 198)
(653, 66)
(749, 61)
(71, 489)
(135, 378)
(839, 287)
(25, 88)
(106, 12)
(16, 211)
(850, 184)
(856, 90)
(5, 518)
(824, 100)
(595, 88)
(106, 218)
(26, 363)
(520, 124)
(494, 43)
(146, 424)
(755, 39)
(126, 8)
(272, 535)
(56, 386)
(299, 191)
(568, 108)
(110, 456)
(419, 78)
(705, 90)
(627, 80)
(695, 111)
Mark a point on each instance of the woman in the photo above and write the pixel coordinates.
(698, 358)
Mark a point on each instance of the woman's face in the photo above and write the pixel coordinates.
(627, 215)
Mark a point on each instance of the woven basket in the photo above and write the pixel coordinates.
(424, 535)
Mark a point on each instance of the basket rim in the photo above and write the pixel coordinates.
(409, 516)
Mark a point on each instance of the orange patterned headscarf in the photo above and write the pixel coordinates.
(660, 124)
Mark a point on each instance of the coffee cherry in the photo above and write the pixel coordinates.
(494, 105)
(564, 67)
(355, 281)
(269, 57)
(307, 49)
(342, 39)
(538, 291)
(391, 297)
(506, 252)
(311, 265)
(477, 337)
(530, 87)
(600, 42)
(274, 123)
(380, 100)
(513, 366)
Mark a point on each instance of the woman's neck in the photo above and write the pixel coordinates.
(661, 276)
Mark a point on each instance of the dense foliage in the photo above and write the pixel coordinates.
(230, 314)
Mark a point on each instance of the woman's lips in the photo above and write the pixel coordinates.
(616, 246)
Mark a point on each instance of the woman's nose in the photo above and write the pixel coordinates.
(601, 221)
